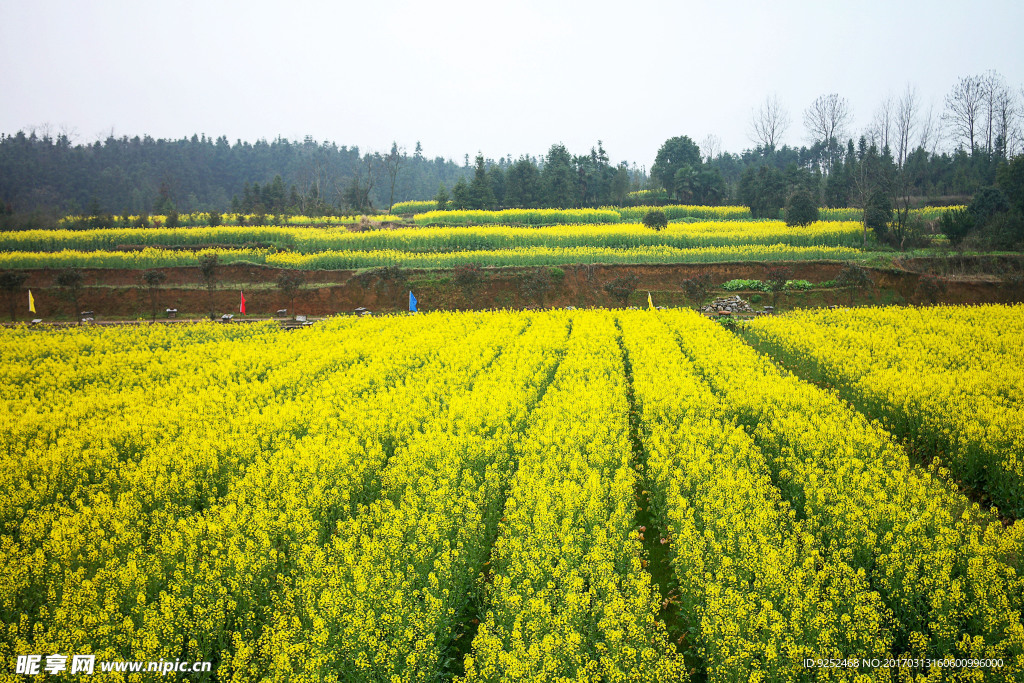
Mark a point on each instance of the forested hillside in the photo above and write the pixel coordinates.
(201, 173)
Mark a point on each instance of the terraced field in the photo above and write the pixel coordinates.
(446, 247)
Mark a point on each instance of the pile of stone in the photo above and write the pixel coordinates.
(728, 305)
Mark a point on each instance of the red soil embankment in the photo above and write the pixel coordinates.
(121, 293)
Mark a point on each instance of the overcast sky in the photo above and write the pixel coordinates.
(461, 77)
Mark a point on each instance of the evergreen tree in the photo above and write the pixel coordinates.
(522, 185)
(163, 204)
(461, 195)
(496, 179)
(558, 179)
(763, 190)
(441, 197)
(620, 185)
(675, 155)
(802, 208)
(480, 194)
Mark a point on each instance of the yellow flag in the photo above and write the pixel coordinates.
(31, 302)
(650, 304)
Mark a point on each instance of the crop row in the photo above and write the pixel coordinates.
(170, 526)
(346, 260)
(205, 219)
(432, 240)
(949, 574)
(758, 593)
(388, 593)
(949, 379)
(412, 207)
(928, 213)
(608, 214)
(518, 216)
(424, 213)
(633, 214)
(453, 496)
(679, 211)
(569, 598)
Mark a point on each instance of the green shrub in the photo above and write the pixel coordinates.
(1005, 230)
(384, 275)
(655, 219)
(739, 285)
(878, 215)
(956, 225)
(987, 202)
(622, 287)
(802, 208)
(697, 288)
(856, 279)
(797, 285)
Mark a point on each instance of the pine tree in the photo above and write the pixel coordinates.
(441, 197)
(480, 194)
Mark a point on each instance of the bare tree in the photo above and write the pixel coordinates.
(711, 146)
(153, 279)
(992, 89)
(900, 187)
(964, 110)
(311, 176)
(881, 129)
(290, 282)
(1015, 142)
(45, 130)
(906, 122)
(826, 120)
(769, 123)
(69, 133)
(1006, 127)
(931, 131)
(355, 194)
(105, 134)
(70, 280)
(866, 181)
(392, 163)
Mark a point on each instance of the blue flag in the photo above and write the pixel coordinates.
(412, 302)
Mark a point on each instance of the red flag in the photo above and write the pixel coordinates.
(241, 306)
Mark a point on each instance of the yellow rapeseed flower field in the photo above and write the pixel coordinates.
(949, 377)
(453, 496)
(305, 240)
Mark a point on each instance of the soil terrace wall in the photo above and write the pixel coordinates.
(120, 293)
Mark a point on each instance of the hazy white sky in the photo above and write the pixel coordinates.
(466, 76)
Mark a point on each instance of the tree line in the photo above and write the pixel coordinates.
(922, 153)
(43, 173)
(895, 161)
(558, 180)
